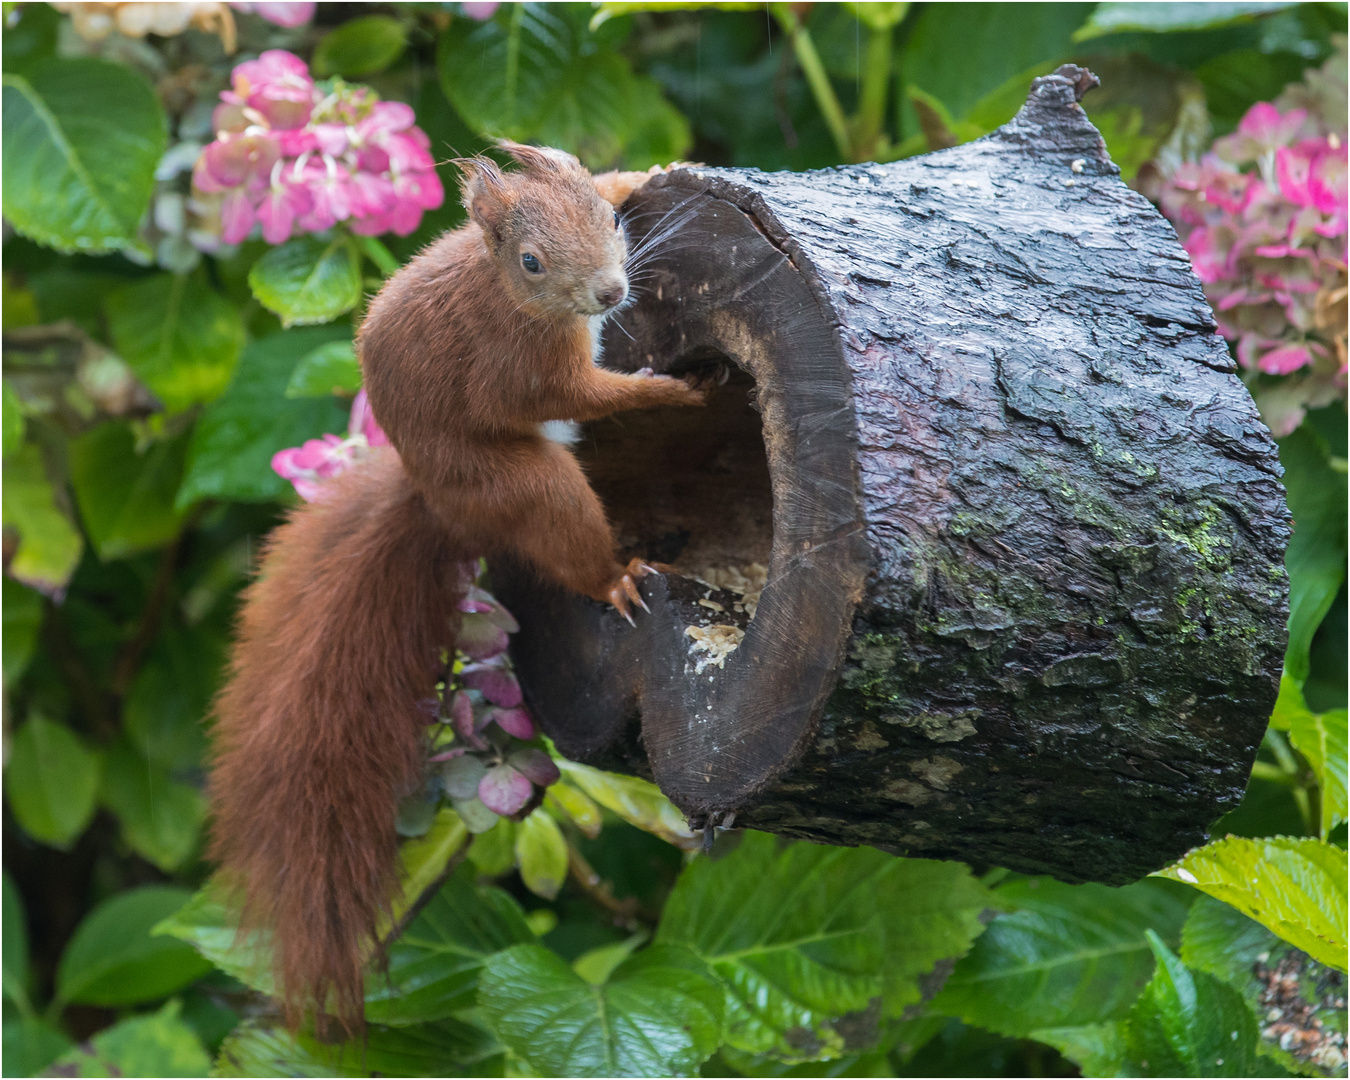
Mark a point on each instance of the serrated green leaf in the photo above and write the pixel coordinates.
(30, 1044)
(210, 925)
(156, 1045)
(15, 944)
(126, 498)
(49, 546)
(637, 801)
(230, 453)
(1187, 1023)
(433, 966)
(22, 621)
(805, 935)
(1294, 887)
(161, 819)
(82, 138)
(423, 861)
(536, 73)
(180, 336)
(1097, 1049)
(659, 1014)
(13, 419)
(1316, 556)
(1122, 17)
(308, 280)
(1068, 956)
(596, 965)
(51, 781)
(542, 854)
(360, 46)
(113, 959)
(329, 369)
(1321, 738)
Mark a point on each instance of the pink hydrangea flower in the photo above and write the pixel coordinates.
(292, 14)
(307, 466)
(292, 156)
(1269, 245)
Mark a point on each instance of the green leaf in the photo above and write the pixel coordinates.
(434, 965)
(211, 926)
(542, 853)
(309, 279)
(1293, 887)
(30, 37)
(112, 959)
(596, 965)
(30, 1044)
(1116, 18)
(805, 935)
(494, 851)
(446, 1048)
(329, 369)
(161, 819)
(125, 497)
(360, 46)
(166, 706)
(637, 801)
(1068, 956)
(1316, 554)
(1187, 1023)
(14, 423)
(879, 16)
(660, 1013)
(51, 781)
(1321, 738)
(180, 336)
(423, 862)
(156, 1045)
(49, 546)
(536, 73)
(22, 621)
(15, 945)
(230, 455)
(82, 139)
(1222, 942)
(1097, 1049)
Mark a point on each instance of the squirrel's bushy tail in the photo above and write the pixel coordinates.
(319, 730)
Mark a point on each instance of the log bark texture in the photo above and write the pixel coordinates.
(1026, 600)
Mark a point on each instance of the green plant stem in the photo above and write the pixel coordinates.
(1292, 772)
(872, 102)
(380, 255)
(816, 77)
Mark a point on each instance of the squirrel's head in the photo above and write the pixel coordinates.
(559, 245)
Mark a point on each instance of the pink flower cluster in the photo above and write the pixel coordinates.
(288, 13)
(294, 156)
(1269, 244)
(308, 466)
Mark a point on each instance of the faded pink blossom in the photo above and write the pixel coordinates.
(480, 11)
(536, 765)
(504, 790)
(494, 682)
(1285, 359)
(515, 722)
(295, 13)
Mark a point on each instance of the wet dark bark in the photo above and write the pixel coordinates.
(1024, 528)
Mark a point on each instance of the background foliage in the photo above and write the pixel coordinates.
(151, 372)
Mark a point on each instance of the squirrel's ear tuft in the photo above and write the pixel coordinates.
(541, 159)
(486, 196)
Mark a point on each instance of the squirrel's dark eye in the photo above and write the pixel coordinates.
(616, 219)
(531, 263)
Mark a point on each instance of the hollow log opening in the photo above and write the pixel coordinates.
(1025, 601)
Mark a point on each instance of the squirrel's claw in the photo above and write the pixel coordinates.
(623, 594)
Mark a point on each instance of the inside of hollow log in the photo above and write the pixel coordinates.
(686, 486)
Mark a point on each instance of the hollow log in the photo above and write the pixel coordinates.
(1025, 600)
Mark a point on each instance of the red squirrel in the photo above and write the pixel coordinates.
(484, 336)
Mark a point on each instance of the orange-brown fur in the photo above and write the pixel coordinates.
(319, 731)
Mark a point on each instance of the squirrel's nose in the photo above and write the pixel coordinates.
(612, 296)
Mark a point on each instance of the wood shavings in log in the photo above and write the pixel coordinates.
(746, 582)
(716, 643)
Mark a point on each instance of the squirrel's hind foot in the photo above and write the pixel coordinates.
(623, 593)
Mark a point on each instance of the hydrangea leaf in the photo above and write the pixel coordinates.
(424, 860)
(126, 498)
(230, 453)
(1321, 738)
(329, 369)
(22, 620)
(434, 964)
(82, 138)
(1121, 17)
(803, 936)
(637, 801)
(1097, 1049)
(51, 781)
(542, 854)
(180, 336)
(49, 546)
(30, 1044)
(1067, 956)
(113, 959)
(1294, 887)
(309, 279)
(159, 1044)
(1188, 1023)
(161, 818)
(210, 924)
(14, 940)
(658, 1014)
(163, 711)
(360, 46)
(13, 419)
